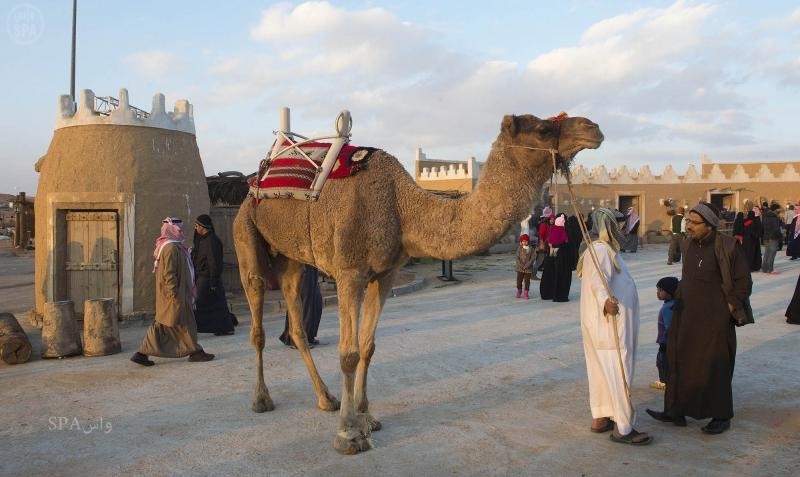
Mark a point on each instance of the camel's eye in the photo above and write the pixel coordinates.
(543, 127)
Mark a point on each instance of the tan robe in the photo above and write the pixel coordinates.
(174, 333)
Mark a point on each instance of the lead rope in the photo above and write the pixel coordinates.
(592, 253)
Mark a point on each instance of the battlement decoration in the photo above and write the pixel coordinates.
(93, 109)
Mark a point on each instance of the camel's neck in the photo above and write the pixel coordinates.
(452, 228)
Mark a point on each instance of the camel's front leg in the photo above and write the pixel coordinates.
(252, 254)
(290, 287)
(377, 292)
(354, 431)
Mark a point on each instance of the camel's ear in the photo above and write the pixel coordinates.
(544, 127)
(510, 124)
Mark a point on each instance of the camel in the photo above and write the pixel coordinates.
(365, 227)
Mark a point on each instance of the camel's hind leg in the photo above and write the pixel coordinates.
(290, 287)
(251, 251)
(377, 292)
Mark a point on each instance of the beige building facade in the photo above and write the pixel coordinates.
(110, 174)
(731, 186)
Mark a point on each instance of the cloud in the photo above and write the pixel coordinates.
(321, 39)
(672, 78)
(156, 63)
(794, 17)
(626, 48)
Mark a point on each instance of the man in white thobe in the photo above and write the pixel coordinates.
(609, 399)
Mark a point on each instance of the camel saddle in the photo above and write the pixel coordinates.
(298, 169)
(297, 172)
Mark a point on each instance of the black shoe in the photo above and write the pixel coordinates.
(313, 341)
(140, 358)
(224, 333)
(716, 426)
(200, 356)
(679, 421)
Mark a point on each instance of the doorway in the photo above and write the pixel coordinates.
(625, 201)
(92, 256)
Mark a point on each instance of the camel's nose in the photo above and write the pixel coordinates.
(601, 137)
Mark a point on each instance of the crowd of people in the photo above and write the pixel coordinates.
(190, 296)
(696, 322)
(557, 240)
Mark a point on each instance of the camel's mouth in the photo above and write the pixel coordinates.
(587, 142)
(570, 154)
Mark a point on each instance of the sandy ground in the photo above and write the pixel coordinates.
(466, 379)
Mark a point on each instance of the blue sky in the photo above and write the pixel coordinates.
(667, 81)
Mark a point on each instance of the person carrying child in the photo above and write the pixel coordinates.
(526, 255)
(665, 291)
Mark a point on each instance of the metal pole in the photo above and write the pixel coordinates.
(285, 120)
(72, 64)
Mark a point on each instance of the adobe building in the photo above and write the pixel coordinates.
(731, 186)
(444, 175)
(110, 174)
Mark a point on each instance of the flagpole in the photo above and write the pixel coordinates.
(72, 64)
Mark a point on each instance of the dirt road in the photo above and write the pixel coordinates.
(466, 379)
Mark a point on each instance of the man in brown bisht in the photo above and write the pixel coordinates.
(712, 298)
(174, 332)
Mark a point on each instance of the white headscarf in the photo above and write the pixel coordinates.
(604, 224)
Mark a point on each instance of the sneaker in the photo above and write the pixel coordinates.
(660, 385)
(200, 356)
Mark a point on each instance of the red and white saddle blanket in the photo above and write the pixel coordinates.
(291, 175)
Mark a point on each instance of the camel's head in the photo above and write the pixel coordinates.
(566, 135)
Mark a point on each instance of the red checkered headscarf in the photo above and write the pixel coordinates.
(172, 232)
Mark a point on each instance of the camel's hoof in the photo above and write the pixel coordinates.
(374, 424)
(369, 422)
(346, 446)
(328, 403)
(262, 405)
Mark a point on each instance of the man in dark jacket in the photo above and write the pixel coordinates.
(771, 226)
(676, 227)
(712, 297)
(212, 313)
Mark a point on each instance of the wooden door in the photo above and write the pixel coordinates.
(92, 269)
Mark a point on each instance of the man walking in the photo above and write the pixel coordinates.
(174, 332)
